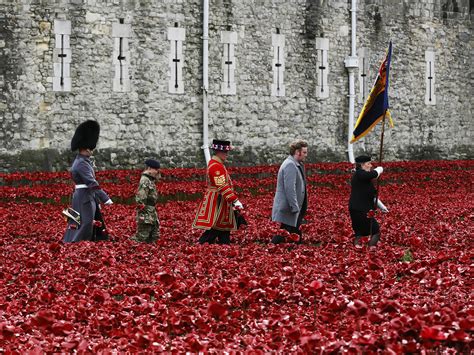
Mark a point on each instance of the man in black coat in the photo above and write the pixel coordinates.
(362, 200)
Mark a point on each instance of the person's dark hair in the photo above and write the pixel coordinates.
(358, 166)
(296, 145)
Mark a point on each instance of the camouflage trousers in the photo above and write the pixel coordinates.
(147, 233)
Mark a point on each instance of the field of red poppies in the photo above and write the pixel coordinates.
(412, 293)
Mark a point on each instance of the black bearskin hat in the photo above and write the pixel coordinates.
(86, 135)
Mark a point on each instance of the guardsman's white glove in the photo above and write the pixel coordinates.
(238, 205)
(379, 170)
(382, 207)
(108, 202)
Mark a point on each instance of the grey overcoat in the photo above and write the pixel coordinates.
(290, 192)
(85, 201)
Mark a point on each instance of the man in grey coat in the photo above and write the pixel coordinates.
(291, 198)
(87, 192)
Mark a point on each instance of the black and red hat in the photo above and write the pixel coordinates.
(223, 146)
(86, 135)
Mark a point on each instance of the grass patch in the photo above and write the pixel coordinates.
(407, 256)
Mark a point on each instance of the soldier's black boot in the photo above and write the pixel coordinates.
(374, 240)
(357, 240)
(209, 236)
(223, 237)
(277, 239)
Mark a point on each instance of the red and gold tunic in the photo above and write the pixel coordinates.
(215, 211)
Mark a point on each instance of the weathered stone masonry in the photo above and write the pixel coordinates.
(145, 119)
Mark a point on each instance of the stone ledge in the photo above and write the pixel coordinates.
(55, 160)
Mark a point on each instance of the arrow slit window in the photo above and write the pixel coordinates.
(62, 56)
(121, 56)
(363, 74)
(430, 97)
(228, 40)
(322, 49)
(176, 36)
(278, 64)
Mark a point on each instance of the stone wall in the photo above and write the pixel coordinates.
(37, 123)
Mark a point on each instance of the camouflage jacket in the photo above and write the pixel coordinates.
(146, 198)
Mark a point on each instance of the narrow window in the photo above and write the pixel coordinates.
(278, 44)
(228, 40)
(430, 97)
(176, 36)
(121, 32)
(322, 48)
(62, 56)
(363, 54)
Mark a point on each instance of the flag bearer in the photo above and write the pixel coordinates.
(362, 201)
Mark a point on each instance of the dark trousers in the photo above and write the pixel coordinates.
(361, 224)
(292, 229)
(299, 221)
(210, 236)
(277, 239)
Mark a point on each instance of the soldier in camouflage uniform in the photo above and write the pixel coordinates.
(148, 225)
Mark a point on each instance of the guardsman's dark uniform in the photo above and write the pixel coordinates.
(87, 193)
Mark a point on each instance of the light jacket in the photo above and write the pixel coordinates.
(290, 192)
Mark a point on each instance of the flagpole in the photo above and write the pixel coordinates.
(380, 159)
(378, 177)
(368, 118)
(381, 138)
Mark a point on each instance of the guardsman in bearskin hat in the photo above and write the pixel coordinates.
(85, 220)
(148, 224)
(362, 201)
(216, 212)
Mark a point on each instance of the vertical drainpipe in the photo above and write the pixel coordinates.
(205, 80)
(352, 64)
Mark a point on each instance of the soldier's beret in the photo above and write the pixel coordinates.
(221, 145)
(362, 159)
(152, 163)
(86, 135)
